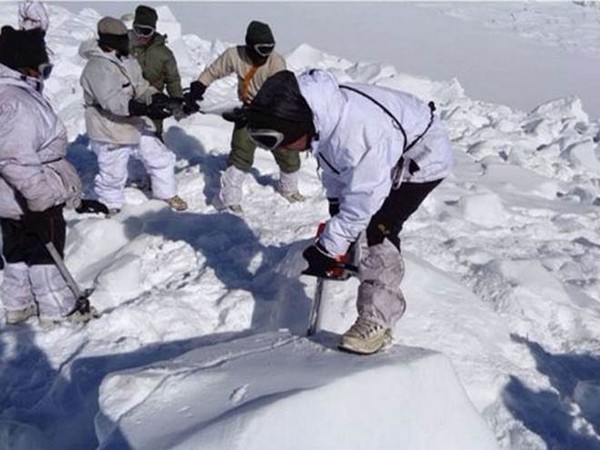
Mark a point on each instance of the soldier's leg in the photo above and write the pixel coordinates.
(15, 291)
(289, 166)
(159, 162)
(109, 182)
(240, 161)
(50, 290)
(396, 209)
(380, 301)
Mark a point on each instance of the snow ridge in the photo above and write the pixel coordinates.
(502, 278)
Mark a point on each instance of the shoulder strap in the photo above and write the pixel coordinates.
(407, 146)
(245, 94)
(385, 110)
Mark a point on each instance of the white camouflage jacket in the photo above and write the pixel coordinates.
(359, 145)
(33, 146)
(108, 84)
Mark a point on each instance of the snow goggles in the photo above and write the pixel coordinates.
(264, 49)
(143, 30)
(45, 69)
(267, 139)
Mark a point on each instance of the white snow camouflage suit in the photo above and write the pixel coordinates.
(109, 83)
(357, 148)
(33, 146)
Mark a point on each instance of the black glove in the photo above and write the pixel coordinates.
(160, 107)
(137, 108)
(237, 116)
(197, 90)
(177, 107)
(91, 206)
(40, 222)
(319, 262)
(334, 206)
(189, 104)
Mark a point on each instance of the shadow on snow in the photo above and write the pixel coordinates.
(552, 415)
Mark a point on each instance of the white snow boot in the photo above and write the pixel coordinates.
(16, 316)
(16, 294)
(287, 187)
(177, 203)
(231, 193)
(83, 317)
(366, 337)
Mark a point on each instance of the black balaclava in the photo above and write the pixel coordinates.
(258, 33)
(112, 33)
(279, 105)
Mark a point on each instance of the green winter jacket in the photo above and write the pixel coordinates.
(158, 64)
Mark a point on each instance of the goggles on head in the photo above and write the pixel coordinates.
(45, 69)
(267, 139)
(143, 30)
(264, 49)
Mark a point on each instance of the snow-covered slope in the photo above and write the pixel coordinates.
(275, 390)
(502, 279)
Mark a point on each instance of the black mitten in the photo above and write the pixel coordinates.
(319, 262)
(137, 108)
(160, 107)
(197, 90)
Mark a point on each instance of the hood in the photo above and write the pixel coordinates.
(8, 73)
(90, 49)
(12, 77)
(321, 91)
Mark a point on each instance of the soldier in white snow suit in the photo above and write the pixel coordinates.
(33, 15)
(116, 97)
(36, 182)
(253, 63)
(381, 152)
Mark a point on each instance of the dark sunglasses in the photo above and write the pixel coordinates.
(45, 69)
(267, 139)
(143, 30)
(264, 49)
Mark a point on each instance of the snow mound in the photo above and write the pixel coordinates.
(274, 391)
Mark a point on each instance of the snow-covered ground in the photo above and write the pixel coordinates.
(200, 341)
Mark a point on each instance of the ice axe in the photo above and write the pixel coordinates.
(82, 302)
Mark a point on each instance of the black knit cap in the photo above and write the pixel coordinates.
(279, 105)
(22, 48)
(144, 15)
(259, 33)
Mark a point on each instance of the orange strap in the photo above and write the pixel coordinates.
(244, 95)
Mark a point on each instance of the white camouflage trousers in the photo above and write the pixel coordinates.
(158, 160)
(43, 284)
(231, 188)
(380, 298)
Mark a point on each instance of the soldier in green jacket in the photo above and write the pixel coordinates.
(253, 63)
(159, 66)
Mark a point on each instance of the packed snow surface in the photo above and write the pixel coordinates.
(200, 341)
